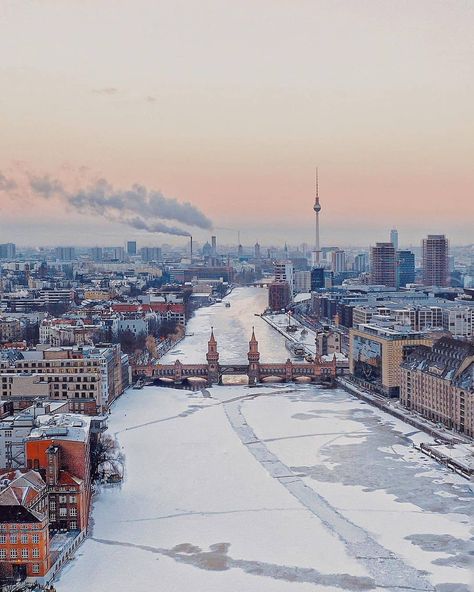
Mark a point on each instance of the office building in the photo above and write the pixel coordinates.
(131, 248)
(405, 268)
(394, 238)
(435, 260)
(377, 349)
(317, 279)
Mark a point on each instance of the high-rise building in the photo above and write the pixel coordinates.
(257, 251)
(131, 248)
(65, 253)
(97, 253)
(214, 245)
(394, 238)
(151, 254)
(284, 273)
(302, 281)
(338, 260)
(405, 267)
(117, 253)
(435, 260)
(383, 264)
(279, 295)
(8, 251)
(361, 262)
(317, 279)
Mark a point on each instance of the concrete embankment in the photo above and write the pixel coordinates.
(403, 415)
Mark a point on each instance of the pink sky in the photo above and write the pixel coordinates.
(230, 105)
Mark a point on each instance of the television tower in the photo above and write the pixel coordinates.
(317, 209)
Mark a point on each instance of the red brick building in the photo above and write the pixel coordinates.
(24, 526)
(61, 451)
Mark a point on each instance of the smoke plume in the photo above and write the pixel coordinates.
(137, 207)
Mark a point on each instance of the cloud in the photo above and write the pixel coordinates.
(138, 206)
(7, 184)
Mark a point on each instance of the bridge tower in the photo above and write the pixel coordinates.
(254, 359)
(212, 358)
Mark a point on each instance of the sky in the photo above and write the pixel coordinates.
(230, 106)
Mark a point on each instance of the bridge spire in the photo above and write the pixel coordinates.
(212, 339)
(254, 359)
(212, 358)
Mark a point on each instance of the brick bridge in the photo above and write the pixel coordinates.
(212, 372)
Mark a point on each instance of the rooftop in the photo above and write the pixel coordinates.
(63, 426)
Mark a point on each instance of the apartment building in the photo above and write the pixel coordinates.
(438, 383)
(68, 332)
(91, 377)
(10, 329)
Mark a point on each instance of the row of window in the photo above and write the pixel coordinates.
(25, 553)
(24, 538)
(16, 526)
(63, 500)
(62, 513)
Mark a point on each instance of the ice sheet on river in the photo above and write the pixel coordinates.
(269, 493)
(198, 511)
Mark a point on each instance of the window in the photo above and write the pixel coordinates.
(73, 512)
(24, 553)
(62, 499)
(3, 539)
(73, 525)
(13, 538)
(3, 554)
(35, 538)
(52, 506)
(36, 568)
(35, 554)
(24, 539)
(13, 554)
(62, 512)
(72, 499)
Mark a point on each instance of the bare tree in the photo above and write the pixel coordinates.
(107, 459)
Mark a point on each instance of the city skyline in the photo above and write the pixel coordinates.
(236, 125)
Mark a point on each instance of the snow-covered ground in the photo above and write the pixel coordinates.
(275, 488)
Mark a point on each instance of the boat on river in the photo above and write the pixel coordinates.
(296, 349)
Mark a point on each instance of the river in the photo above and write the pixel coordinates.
(276, 488)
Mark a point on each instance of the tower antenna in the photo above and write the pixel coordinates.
(317, 209)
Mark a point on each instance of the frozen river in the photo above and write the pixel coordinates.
(280, 488)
